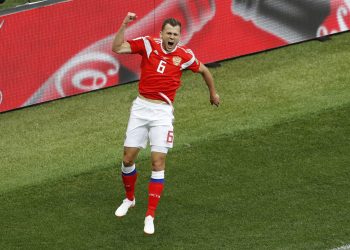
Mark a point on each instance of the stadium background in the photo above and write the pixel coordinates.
(64, 48)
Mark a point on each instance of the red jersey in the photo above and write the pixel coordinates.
(161, 70)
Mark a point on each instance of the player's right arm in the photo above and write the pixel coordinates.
(121, 46)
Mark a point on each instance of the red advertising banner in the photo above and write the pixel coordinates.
(64, 49)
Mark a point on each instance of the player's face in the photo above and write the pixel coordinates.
(170, 36)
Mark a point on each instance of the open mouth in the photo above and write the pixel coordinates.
(170, 44)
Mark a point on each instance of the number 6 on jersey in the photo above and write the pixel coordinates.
(161, 67)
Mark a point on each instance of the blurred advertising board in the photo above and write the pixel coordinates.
(64, 49)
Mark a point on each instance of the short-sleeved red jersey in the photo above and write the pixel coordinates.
(161, 70)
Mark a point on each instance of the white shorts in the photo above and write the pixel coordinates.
(151, 121)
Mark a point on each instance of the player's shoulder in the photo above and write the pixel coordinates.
(152, 40)
(147, 41)
(145, 38)
(156, 40)
(185, 51)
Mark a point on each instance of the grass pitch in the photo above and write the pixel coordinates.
(268, 169)
(14, 3)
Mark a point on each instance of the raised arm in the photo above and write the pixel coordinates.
(208, 78)
(121, 46)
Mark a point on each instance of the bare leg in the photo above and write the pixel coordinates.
(130, 155)
(158, 161)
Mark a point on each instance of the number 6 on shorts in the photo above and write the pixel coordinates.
(170, 137)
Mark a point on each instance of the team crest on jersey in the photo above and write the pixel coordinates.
(177, 60)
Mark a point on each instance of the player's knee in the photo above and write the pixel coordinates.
(158, 164)
(129, 157)
(128, 161)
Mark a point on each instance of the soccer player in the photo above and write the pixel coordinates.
(151, 117)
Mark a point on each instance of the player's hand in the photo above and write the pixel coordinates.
(215, 100)
(129, 18)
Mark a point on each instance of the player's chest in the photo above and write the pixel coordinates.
(163, 63)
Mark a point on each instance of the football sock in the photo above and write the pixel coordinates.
(129, 176)
(155, 189)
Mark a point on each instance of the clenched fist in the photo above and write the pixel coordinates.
(129, 18)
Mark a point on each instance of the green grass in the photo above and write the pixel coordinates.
(268, 169)
(14, 3)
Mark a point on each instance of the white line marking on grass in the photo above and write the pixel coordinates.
(345, 247)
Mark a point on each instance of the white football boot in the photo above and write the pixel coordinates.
(124, 207)
(149, 226)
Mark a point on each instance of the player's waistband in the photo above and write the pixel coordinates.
(151, 100)
(147, 103)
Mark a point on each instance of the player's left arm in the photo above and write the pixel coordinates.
(209, 80)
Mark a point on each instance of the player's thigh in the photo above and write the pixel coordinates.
(136, 134)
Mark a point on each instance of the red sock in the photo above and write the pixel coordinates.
(129, 181)
(155, 189)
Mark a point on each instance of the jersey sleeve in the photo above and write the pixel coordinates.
(191, 62)
(195, 65)
(137, 45)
